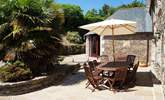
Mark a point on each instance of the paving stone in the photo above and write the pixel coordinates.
(5, 98)
(73, 88)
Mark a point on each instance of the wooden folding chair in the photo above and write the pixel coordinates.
(94, 80)
(119, 76)
(130, 60)
(131, 76)
(104, 58)
(95, 63)
(91, 65)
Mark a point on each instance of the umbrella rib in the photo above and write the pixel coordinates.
(117, 26)
(130, 25)
(95, 28)
(110, 27)
(103, 30)
(128, 28)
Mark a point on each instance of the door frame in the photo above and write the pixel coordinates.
(94, 45)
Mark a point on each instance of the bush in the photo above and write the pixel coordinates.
(2, 54)
(74, 37)
(72, 49)
(13, 72)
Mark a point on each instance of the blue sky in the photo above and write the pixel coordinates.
(97, 4)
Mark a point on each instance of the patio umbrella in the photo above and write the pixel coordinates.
(112, 27)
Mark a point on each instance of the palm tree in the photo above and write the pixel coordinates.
(26, 33)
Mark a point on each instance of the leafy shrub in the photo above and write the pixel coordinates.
(74, 37)
(73, 49)
(2, 53)
(13, 72)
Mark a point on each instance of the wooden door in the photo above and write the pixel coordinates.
(95, 46)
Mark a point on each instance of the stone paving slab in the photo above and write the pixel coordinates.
(73, 88)
(5, 98)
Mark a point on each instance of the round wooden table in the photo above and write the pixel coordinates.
(112, 66)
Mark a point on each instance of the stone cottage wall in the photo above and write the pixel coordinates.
(129, 45)
(87, 46)
(159, 27)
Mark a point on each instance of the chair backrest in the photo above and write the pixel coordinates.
(135, 67)
(89, 76)
(121, 57)
(104, 58)
(91, 65)
(120, 74)
(130, 60)
(131, 76)
(95, 63)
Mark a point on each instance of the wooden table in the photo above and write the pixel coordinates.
(112, 66)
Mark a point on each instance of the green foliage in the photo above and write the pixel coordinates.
(73, 17)
(73, 49)
(30, 29)
(10, 8)
(135, 3)
(24, 16)
(2, 54)
(27, 29)
(91, 13)
(106, 9)
(74, 37)
(93, 19)
(59, 18)
(113, 10)
(16, 71)
(93, 16)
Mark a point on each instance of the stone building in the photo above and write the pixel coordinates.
(137, 44)
(148, 44)
(157, 12)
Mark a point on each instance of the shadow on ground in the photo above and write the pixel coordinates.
(76, 78)
(146, 79)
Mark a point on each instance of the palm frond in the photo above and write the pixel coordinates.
(3, 26)
(32, 18)
(40, 29)
(13, 33)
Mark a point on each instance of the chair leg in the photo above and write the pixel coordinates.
(121, 85)
(134, 80)
(87, 84)
(93, 90)
(111, 86)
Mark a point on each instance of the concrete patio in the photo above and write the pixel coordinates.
(73, 88)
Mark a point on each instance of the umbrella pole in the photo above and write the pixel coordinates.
(113, 44)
